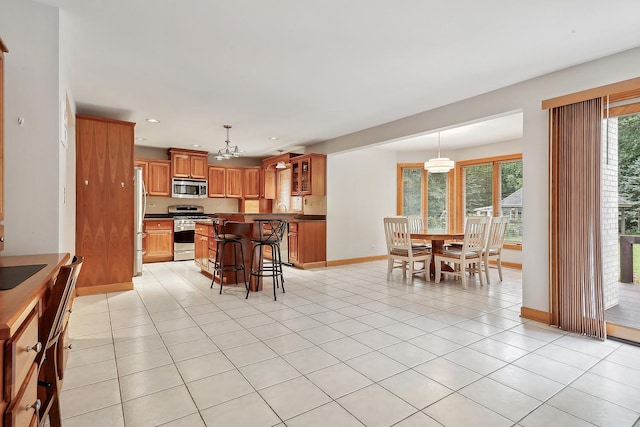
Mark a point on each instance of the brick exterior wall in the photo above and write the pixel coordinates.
(609, 214)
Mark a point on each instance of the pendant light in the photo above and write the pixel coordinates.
(439, 164)
(281, 164)
(230, 151)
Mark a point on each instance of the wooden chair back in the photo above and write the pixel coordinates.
(497, 231)
(416, 223)
(53, 316)
(397, 234)
(475, 234)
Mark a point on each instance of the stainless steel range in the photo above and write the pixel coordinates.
(184, 226)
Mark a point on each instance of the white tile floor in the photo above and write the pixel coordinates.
(342, 347)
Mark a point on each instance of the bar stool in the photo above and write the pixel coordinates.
(219, 266)
(270, 233)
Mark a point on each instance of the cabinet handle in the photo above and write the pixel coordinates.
(1, 238)
(36, 405)
(37, 347)
(70, 346)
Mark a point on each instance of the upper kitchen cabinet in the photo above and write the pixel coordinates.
(270, 173)
(251, 183)
(308, 175)
(217, 181)
(3, 50)
(156, 176)
(159, 183)
(104, 204)
(234, 183)
(188, 163)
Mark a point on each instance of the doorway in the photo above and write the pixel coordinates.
(622, 300)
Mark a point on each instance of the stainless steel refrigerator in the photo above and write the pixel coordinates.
(139, 206)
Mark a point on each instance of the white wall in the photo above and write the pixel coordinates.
(361, 189)
(32, 154)
(67, 164)
(525, 97)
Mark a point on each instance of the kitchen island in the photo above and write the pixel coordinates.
(306, 239)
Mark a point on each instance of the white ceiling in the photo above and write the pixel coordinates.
(308, 71)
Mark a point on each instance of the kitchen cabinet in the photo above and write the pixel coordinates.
(293, 242)
(104, 204)
(157, 242)
(251, 182)
(159, 183)
(217, 181)
(3, 50)
(144, 165)
(307, 243)
(308, 175)
(201, 240)
(156, 176)
(269, 180)
(234, 183)
(188, 163)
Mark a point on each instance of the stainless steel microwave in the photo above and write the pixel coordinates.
(188, 188)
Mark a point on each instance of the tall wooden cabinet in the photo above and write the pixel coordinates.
(3, 50)
(104, 204)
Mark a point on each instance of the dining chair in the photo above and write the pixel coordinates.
(50, 330)
(493, 247)
(400, 249)
(468, 256)
(416, 225)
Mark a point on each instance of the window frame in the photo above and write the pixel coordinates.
(496, 196)
(425, 203)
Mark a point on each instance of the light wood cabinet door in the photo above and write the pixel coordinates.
(144, 165)
(234, 183)
(159, 183)
(181, 165)
(188, 163)
(201, 240)
(251, 183)
(198, 166)
(158, 240)
(308, 175)
(293, 242)
(269, 188)
(217, 181)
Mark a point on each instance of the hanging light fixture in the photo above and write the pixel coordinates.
(439, 164)
(229, 151)
(281, 164)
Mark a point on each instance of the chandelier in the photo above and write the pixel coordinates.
(439, 164)
(229, 151)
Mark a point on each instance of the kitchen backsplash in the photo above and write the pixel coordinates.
(160, 205)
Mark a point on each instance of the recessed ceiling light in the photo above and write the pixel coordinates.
(274, 138)
(141, 139)
(196, 145)
(153, 120)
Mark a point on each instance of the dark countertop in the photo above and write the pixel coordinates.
(295, 216)
(291, 216)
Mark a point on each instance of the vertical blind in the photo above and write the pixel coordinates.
(577, 300)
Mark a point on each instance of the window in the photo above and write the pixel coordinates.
(488, 186)
(425, 194)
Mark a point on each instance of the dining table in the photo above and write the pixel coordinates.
(437, 245)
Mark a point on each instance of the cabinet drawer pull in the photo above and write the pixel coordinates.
(36, 347)
(70, 346)
(36, 405)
